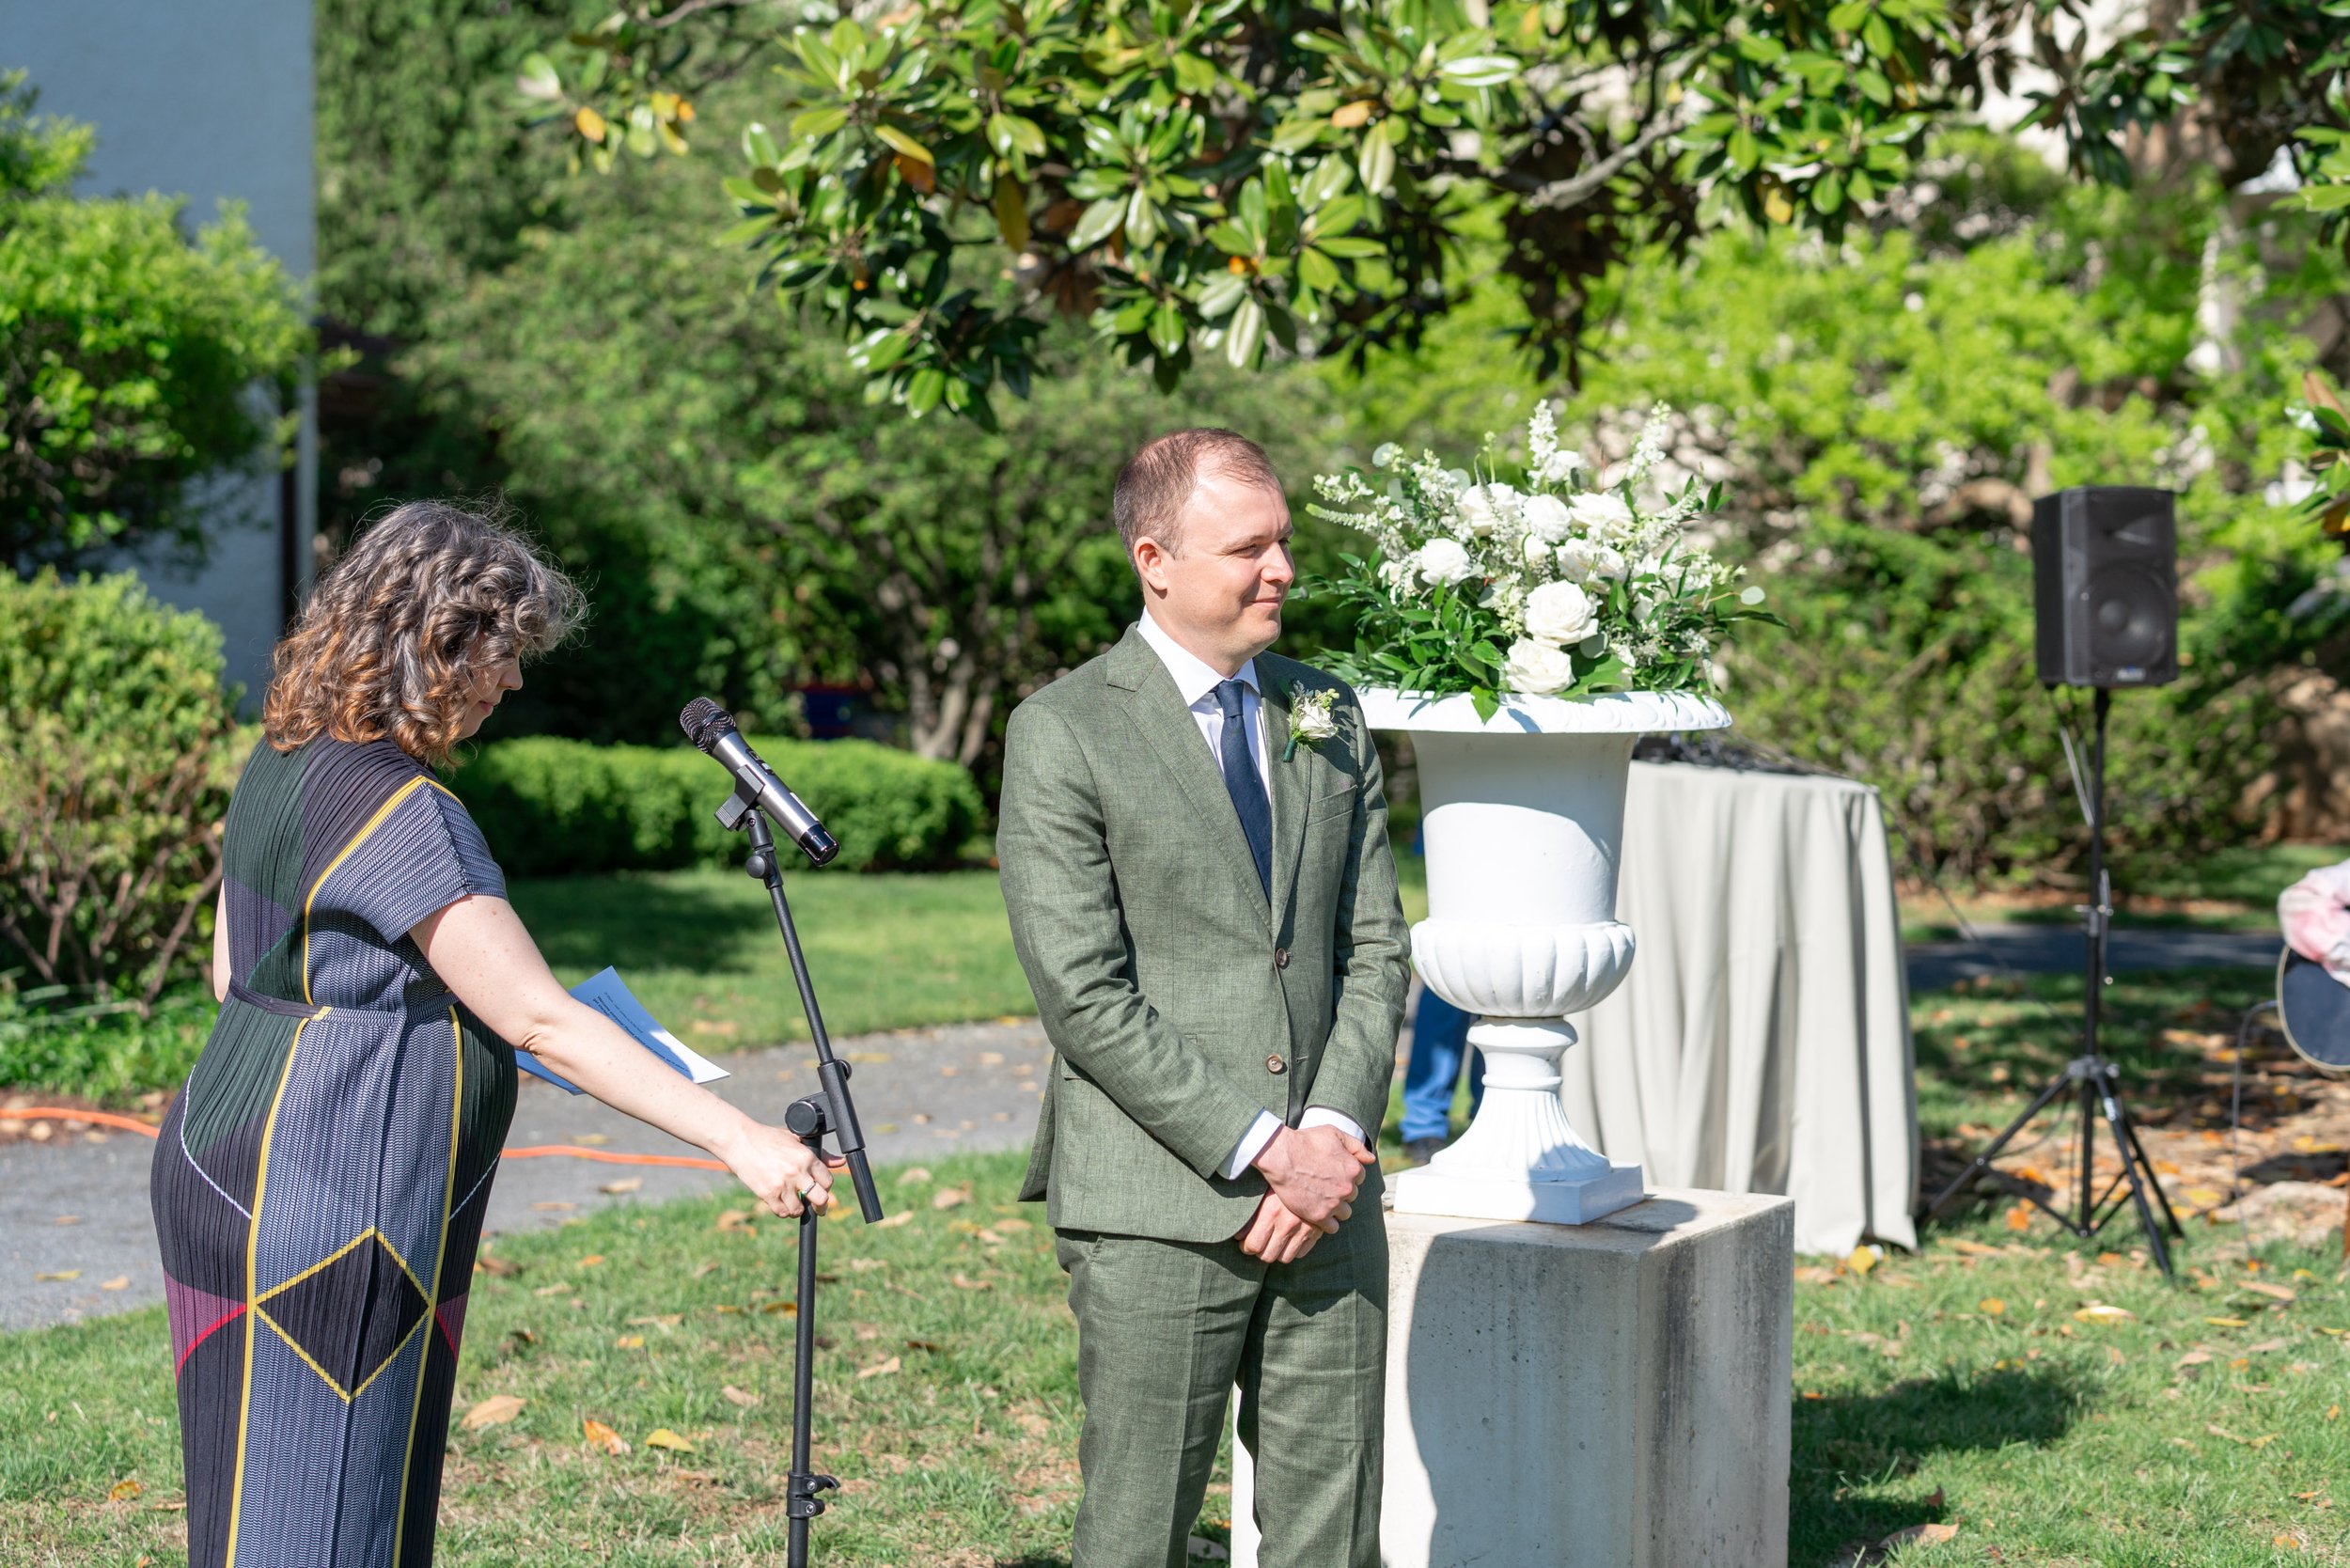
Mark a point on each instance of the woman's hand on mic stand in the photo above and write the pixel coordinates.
(781, 1171)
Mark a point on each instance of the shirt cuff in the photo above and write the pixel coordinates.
(1252, 1144)
(1323, 1116)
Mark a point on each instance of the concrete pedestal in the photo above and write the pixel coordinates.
(1610, 1395)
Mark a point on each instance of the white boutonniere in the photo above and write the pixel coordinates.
(1310, 719)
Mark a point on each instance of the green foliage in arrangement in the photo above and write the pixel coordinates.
(556, 807)
(118, 751)
(128, 351)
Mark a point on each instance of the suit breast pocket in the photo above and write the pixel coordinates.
(1338, 806)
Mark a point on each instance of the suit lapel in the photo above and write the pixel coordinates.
(1286, 787)
(1157, 711)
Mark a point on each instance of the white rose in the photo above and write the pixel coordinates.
(1444, 562)
(1536, 551)
(1561, 467)
(1478, 513)
(1395, 574)
(1537, 668)
(1559, 613)
(1547, 518)
(1582, 559)
(1597, 511)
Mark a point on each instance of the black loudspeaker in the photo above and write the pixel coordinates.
(2105, 569)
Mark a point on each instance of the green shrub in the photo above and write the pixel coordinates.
(118, 751)
(101, 1051)
(556, 807)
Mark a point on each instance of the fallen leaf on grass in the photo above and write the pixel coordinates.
(880, 1369)
(120, 1282)
(1932, 1534)
(1011, 1226)
(1864, 1257)
(735, 1219)
(739, 1397)
(1975, 1250)
(1813, 1275)
(603, 1436)
(903, 1217)
(2097, 1311)
(2265, 1346)
(666, 1321)
(791, 1307)
(2277, 1291)
(2225, 1323)
(1991, 1306)
(950, 1198)
(2204, 1198)
(866, 1266)
(494, 1411)
(630, 1184)
(60, 1274)
(630, 1342)
(590, 1261)
(123, 1491)
(662, 1438)
(2260, 1442)
(918, 1176)
(2019, 1217)
(491, 1264)
(931, 1345)
(962, 1283)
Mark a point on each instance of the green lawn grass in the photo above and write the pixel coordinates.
(1961, 1387)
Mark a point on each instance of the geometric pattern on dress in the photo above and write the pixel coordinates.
(349, 1314)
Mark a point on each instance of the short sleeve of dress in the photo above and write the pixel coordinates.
(425, 853)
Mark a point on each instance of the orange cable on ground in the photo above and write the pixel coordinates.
(542, 1151)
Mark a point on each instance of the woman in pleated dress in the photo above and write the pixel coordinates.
(320, 1181)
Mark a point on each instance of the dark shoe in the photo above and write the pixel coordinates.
(1420, 1151)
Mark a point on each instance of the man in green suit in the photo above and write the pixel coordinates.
(1197, 867)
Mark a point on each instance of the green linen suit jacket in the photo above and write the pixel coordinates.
(1179, 1001)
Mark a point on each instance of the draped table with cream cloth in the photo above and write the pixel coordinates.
(1761, 1041)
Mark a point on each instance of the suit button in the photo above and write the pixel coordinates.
(1276, 1066)
(1281, 958)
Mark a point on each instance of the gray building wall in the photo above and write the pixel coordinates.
(210, 100)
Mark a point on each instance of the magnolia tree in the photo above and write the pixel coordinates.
(1211, 176)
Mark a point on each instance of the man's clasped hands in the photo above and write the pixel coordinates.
(1315, 1173)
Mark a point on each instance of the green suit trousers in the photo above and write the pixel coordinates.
(1167, 1328)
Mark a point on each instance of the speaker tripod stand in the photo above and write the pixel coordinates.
(2090, 1081)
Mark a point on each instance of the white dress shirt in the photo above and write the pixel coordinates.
(1196, 681)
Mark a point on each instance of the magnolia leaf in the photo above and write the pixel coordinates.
(1376, 163)
(662, 1438)
(494, 1411)
(1099, 223)
(601, 1436)
(737, 1396)
(539, 78)
(903, 143)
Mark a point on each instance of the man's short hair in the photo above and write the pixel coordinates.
(1158, 481)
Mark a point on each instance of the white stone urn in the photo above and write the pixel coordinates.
(1521, 819)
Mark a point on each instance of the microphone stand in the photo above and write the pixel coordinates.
(810, 1118)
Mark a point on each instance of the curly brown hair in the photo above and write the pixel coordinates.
(395, 636)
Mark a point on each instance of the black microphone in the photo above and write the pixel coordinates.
(712, 728)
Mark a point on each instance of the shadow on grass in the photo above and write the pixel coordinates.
(1846, 1445)
(656, 922)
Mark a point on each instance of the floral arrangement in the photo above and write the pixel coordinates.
(1532, 584)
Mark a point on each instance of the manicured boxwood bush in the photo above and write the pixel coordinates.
(557, 807)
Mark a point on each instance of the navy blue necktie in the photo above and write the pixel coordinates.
(1246, 788)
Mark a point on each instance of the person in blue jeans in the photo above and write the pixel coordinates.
(1439, 1040)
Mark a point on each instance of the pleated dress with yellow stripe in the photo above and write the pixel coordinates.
(320, 1181)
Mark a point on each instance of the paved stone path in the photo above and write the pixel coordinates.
(78, 1203)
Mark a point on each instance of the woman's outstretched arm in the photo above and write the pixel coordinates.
(481, 951)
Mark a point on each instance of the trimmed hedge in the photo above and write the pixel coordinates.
(557, 807)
